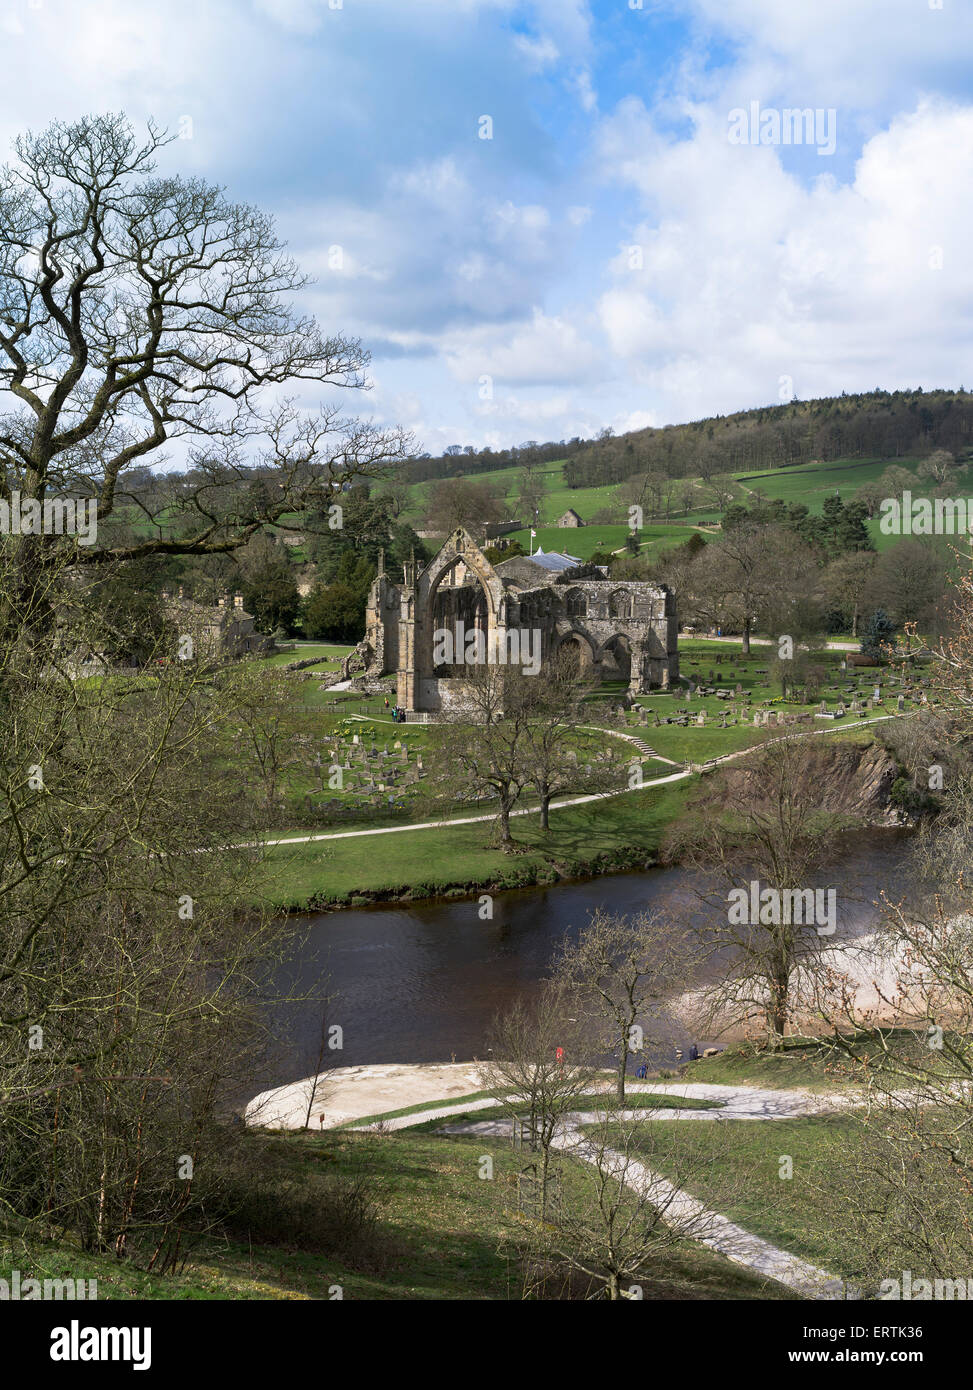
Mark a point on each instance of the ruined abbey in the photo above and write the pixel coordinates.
(545, 603)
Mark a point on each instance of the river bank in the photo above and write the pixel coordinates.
(422, 982)
(452, 862)
(588, 837)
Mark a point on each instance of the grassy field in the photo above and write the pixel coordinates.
(441, 1235)
(809, 483)
(759, 690)
(330, 656)
(583, 541)
(609, 833)
(809, 1066)
(638, 1100)
(796, 1213)
(429, 863)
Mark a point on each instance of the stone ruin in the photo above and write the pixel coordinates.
(550, 603)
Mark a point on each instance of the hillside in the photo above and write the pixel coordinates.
(801, 452)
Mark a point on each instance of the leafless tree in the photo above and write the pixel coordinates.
(630, 1208)
(620, 973)
(539, 1069)
(773, 822)
(137, 310)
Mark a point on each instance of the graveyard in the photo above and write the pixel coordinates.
(362, 775)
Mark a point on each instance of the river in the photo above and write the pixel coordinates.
(422, 983)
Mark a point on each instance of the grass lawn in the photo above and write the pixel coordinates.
(638, 1100)
(430, 862)
(593, 1102)
(809, 1066)
(796, 1213)
(328, 653)
(802, 1064)
(583, 541)
(441, 1236)
(721, 665)
(807, 483)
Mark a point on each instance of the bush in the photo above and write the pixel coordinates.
(335, 1213)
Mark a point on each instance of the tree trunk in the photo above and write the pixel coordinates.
(506, 840)
(746, 637)
(545, 810)
(777, 1014)
(620, 1081)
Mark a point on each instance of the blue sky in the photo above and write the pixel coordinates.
(609, 256)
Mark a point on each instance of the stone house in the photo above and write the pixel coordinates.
(221, 631)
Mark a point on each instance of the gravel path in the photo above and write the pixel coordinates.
(710, 1227)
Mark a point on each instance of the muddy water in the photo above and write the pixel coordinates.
(422, 983)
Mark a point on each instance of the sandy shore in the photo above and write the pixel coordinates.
(348, 1093)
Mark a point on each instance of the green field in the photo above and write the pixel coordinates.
(796, 1213)
(808, 483)
(610, 833)
(441, 1234)
(428, 863)
(330, 656)
(583, 541)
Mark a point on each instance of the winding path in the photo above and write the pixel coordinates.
(692, 770)
(708, 1227)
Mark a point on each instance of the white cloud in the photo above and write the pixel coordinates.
(548, 349)
(539, 53)
(749, 275)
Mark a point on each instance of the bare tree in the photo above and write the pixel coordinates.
(539, 1070)
(940, 466)
(468, 502)
(763, 833)
(274, 730)
(137, 309)
(484, 756)
(554, 713)
(629, 1210)
(752, 572)
(621, 971)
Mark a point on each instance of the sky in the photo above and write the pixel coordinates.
(544, 217)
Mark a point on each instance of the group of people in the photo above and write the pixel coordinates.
(642, 1070)
(398, 715)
